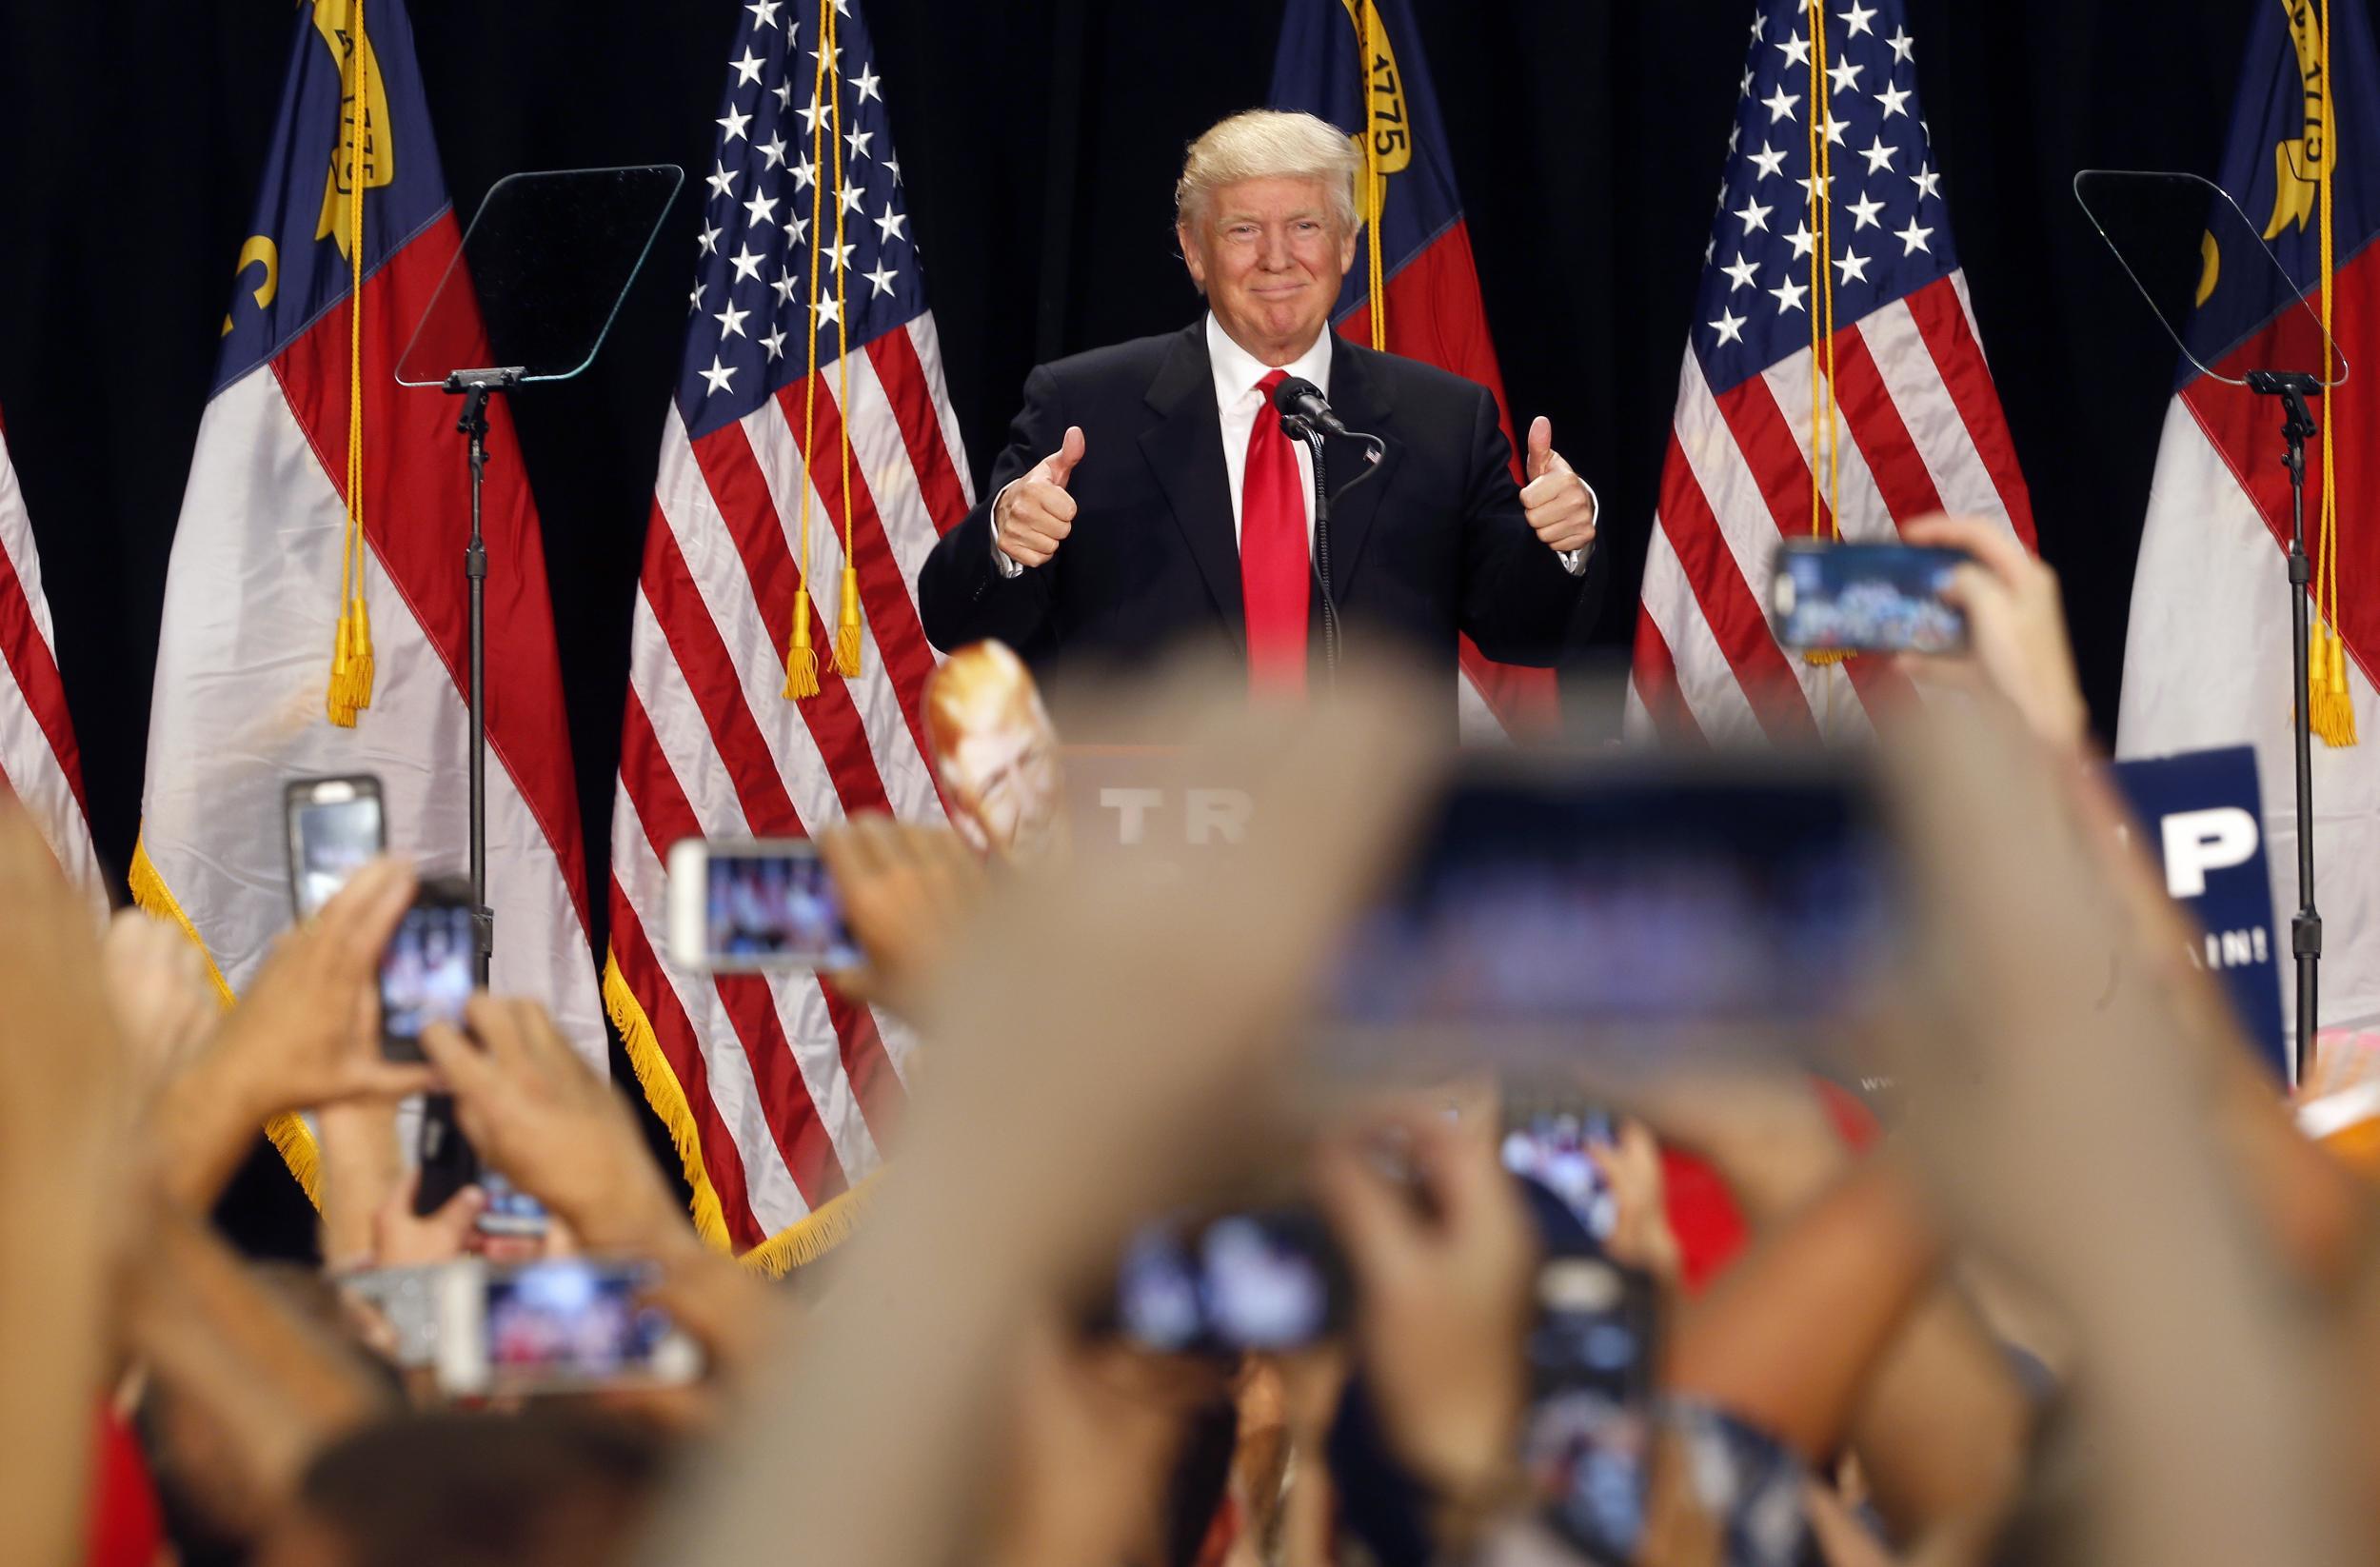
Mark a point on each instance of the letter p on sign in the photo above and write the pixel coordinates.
(2198, 842)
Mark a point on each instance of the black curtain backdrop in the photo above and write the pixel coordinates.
(1040, 140)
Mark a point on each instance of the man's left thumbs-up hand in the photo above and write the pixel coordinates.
(1558, 502)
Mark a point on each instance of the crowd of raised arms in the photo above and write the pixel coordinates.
(2086, 1295)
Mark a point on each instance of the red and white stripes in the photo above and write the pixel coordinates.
(779, 1092)
(39, 760)
(1924, 434)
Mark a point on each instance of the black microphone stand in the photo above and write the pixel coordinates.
(448, 1159)
(2297, 426)
(1299, 427)
(475, 388)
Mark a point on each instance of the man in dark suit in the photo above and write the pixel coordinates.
(1149, 499)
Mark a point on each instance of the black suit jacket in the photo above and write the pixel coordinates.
(1435, 543)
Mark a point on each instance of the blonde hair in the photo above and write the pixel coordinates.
(1265, 144)
(975, 686)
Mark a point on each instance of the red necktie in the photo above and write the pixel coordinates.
(1275, 575)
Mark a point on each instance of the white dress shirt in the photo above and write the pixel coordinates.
(1238, 374)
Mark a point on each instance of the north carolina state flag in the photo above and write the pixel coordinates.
(1431, 289)
(2209, 661)
(254, 595)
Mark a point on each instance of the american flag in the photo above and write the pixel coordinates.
(1918, 420)
(778, 1091)
(39, 760)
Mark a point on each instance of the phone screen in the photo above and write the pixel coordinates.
(510, 1211)
(426, 973)
(335, 839)
(1245, 1281)
(1553, 1149)
(1588, 1439)
(574, 1321)
(1868, 598)
(773, 908)
(1559, 906)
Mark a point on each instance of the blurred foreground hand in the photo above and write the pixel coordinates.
(906, 888)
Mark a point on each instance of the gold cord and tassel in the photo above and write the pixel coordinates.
(352, 664)
(801, 659)
(2330, 705)
(1826, 483)
(848, 623)
(1375, 282)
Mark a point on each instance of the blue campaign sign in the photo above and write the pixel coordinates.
(2203, 813)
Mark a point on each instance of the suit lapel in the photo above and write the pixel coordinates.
(1360, 395)
(1186, 451)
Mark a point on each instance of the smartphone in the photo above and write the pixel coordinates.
(510, 1211)
(407, 1299)
(1269, 1282)
(742, 905)
(335, 827)
(1588, 1440)
(1833, 597)
(445, 1158)
(1553, 1145)
(430, 967)
(1598, 1323)
(1552, 903)
(562, 1325)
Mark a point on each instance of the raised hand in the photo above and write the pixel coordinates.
(905, 888)
(1442, 1271)
(1641, 1237)
(67, 1081)
(307, 1031)
(559, 1131)
(1035, 514)
(2016, 624)
(158, 988)
(1559, 507)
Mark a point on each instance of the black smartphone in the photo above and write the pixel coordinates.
(430, 967)
(335, 827)
(1589, 1438)
(1862, 597)
(1554, 1145)
(447, 1161)
(1268, 1281)
(1553, 903)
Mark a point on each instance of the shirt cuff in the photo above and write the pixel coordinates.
(1008, 569)
(1575, 561)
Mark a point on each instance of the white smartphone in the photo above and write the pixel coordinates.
(754, 903)
(568, 1324)
(335, 827)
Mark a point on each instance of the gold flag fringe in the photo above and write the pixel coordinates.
(798, 1244)
(667, 1099)
(291, 1138)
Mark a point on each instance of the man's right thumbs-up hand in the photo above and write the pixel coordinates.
(1035, 514)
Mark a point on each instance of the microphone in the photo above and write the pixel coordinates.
(1300, 399)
